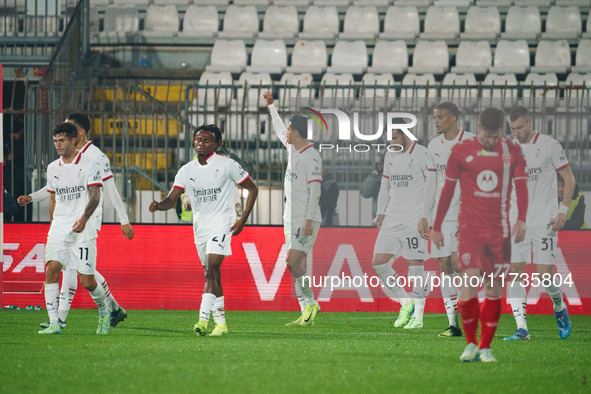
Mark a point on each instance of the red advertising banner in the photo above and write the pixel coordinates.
(159, 269)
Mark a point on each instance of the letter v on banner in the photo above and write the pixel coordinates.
(267, 289)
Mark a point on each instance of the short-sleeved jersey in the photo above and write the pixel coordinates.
(406, 172)
(303, 168)
(439, 150)
(70, 182)
(485, 183)
(97, 155)
(211, 190)
(543, 157)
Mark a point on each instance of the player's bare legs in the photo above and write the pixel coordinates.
(212, 300)
(381, 264)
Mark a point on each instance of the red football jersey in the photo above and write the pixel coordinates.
(485, 184)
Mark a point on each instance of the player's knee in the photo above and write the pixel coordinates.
(88, 282)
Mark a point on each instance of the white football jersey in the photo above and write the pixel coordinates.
(70, 184)
(97, 155)
(439, 150)
(303, 167)
(211, 190)
(406, 172)
(543, 157)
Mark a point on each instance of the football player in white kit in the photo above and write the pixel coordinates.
(439, 148)
(74, 181)
(544, 157)
(399, 210)
(301, 217)
(69, 277)
(210, 182)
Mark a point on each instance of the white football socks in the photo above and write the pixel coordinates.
(556, 294)
(98, 295)
(449, 293)
(388, 278)
(207, 301)
(518, 300)
(417, 273)
(69, 286)
(51, 301)
(304, 283)
(219, 315)
(109, 299)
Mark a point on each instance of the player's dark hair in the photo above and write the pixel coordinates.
(213, 129)
(80, 119)
(517, 112)
(449, 107)
(492, 119)
(66, 128)
(300, 124)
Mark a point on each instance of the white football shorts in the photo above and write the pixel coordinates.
(79, 256)
(538, 247)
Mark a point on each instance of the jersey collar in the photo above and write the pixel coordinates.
(412, 148)
(533, 140)
(458, 137)
(86, 146)
(75, 161)
(306, 148)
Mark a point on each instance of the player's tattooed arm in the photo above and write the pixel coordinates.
(93, 202)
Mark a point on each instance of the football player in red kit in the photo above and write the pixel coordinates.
(486, 166)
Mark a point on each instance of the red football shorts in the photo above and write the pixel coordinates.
(488, 252)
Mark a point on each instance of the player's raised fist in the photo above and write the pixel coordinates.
(269, 97)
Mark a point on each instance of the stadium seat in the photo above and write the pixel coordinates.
(8, 22)
(320, 23)
(583, 57)
(473, 57)
(455, 3)
(139, 4)
(295, 90)
(579, 3)
(588, 33)
(93, 21)
(401, 23)
(563, 23)
(511, 57)
(496, 85)
(377, 3)
(389, 57)
(414, 3)
(268, 56)
(296, 3)
(210, 93)
(337, 90)
(280, 22)
(377, 85)
(178, 3)
(540, 86)
(522, 23)
(430, 57)
(361, 23)
(218, 3)
(200, 21)
(100, 3)
(256, 84)
(240, 22)
(576, 79)
(417, 85)
(336, 3)
(537, 3)
(459, 88)
(120, 21)
(308, 56)
(252, 2)
(349, 57)
(161, 21)
(552, 56)
(482, 23)
(228, 55)
(441, 23)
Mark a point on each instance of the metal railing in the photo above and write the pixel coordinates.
(145, 128)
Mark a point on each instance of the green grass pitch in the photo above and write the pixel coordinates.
(157, 351)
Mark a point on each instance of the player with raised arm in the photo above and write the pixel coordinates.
(399, 210)
(486, 168)
(302, 213)
(74, 181)
(69, 277)
(439, 148)
(545, 158)
(210, 182)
